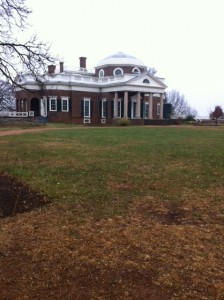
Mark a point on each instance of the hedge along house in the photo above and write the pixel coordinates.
(119, 87)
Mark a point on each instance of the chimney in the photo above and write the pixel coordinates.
(51, 69)
(61, 67)
(82, 62)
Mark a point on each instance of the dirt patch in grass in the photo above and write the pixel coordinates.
(15, 197)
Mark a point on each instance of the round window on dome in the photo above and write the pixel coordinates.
(118, 72)
(136, 70)
(101, 73)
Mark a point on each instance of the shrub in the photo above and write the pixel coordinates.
(189, 118)
(123, 122)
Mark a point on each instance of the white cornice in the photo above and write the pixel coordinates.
(130, 88)
(114, 88)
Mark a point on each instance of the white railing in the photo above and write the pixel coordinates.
(95, 80)
(14, 114)
(78, 69)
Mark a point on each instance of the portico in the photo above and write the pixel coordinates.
(138, 106)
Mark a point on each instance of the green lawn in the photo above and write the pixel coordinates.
(105, 169)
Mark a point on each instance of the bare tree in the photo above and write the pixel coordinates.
(152, 71)
(180, 106)
(7, 97)
(217, 113)
(28, 55)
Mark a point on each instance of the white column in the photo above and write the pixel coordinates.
(161, 106)
(138, 106)
(115, 105)
(125, 104)
(150, 105)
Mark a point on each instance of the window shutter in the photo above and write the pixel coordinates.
(58, 104)
(112, 108)
(48, 104)
(69, 104)
(142, 108)
(91, 108)
(122, 108)
(100, 108)
(82, 108)
(106, 109)
(129, 108)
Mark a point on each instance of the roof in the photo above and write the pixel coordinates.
(121, 58)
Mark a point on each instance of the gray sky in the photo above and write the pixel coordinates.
(182, 39)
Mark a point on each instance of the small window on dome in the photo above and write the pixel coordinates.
(136, 70)
(118, 72)
(101, 73)
(146, 81)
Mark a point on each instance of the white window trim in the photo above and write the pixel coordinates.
(103, 116)
(122, 72)
(146, 110)
(50, 99)
(132, 108)
(136, 69)
(158, 109)
(101, 71)
(67, 100)
(89, 114)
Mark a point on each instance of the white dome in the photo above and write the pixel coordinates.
(121, 59)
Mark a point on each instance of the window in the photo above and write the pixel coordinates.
(158, 109)
(104, 108)
(86, 108)
(101, 73)
(119, 108)
(146, 81)
(53, 103)
(146, 111)
(118, 72)
(133, 109)
(136, 70)
(64, 104)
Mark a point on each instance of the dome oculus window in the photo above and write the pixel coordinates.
(136, 70)
(146, 81)
(118, 72)
(101, 73)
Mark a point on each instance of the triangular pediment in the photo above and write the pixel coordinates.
(146, 80)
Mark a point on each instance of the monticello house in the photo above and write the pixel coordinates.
(120, 86)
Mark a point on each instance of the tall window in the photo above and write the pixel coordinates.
(53, 103)
(119, 108)
(133, 109)
(104, 108)
(146, 111)
(86, 108)
(64, 104)
(158, 109)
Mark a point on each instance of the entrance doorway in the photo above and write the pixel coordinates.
(35, 106)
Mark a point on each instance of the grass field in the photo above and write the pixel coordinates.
(108, 168)
(159, 189)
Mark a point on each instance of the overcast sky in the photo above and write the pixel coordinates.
(182, 39)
